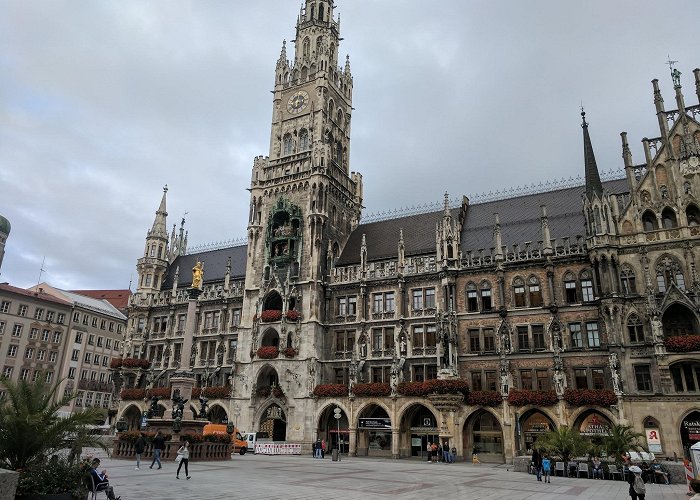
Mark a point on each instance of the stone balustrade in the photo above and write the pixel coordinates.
(205, 452)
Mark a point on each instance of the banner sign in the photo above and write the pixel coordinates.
(654, 440)
(375, 423)
(277, 449)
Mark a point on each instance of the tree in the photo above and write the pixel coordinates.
(620, 440)
(31, 430)
(563, 442)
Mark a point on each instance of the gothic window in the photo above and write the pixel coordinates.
(535, 292)
(304, 73)
(686, 376)
(486, 301)
(693, 215)
(340, 119)
(635, 329)
(339, 153)
(303, 140)
(472, 298)
(331, 107)
(668, 270)
(668, 217)
(288, 144)
(320, 12)
(518, 292)
(628, 280)
(319, 42)
(306, 47)
(649, 221)
(598, 224)
(570, 296)
(587, 287)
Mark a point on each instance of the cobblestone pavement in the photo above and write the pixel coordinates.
(304, 478)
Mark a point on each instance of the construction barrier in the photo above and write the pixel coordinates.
(688, 473)
(277, 449)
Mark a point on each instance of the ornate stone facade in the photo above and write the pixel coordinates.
(530, 293)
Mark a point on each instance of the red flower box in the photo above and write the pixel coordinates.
(289, 352)
(268, 352)
(455, 386)
(527, 397)
(196, 392)
(159, 392)
(372, 389)
(132, 436)
(331, 391)
(218, 437)
(129, 363)
(216, 392)
(132, 394)
(484, 398)
(293, 315)
(583, 397)
(270, 315)
(683, 343)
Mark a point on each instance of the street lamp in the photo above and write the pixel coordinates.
(337, 415)
(236, 414)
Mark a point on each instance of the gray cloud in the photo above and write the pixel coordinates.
(103, 103)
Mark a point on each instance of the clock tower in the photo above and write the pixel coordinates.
(304, 203)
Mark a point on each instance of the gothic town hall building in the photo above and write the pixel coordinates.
(480, 324)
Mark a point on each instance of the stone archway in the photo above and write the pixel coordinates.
(418, 427)
(374, 436)
(273, 422)
(334, 431)
(678, 320)
(217, 415)
(593, 425)
(132, 415)
(690, 431)
(531, 425)
(270, 338)
(483, 434)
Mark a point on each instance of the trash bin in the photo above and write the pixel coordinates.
(335, 455)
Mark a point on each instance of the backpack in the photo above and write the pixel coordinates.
(639, 487)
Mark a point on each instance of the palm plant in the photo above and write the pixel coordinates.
(620, 440)
(563, 442)
(31, 429)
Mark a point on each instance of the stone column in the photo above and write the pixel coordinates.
(352, 447)
(395, 443)
(190, 326)
(182, 382)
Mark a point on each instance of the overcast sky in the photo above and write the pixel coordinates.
(103, 103)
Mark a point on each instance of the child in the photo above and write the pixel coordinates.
(546, 468)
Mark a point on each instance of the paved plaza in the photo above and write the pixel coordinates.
(304, 478)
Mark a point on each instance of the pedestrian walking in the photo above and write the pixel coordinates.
(453, 455)
(313, 449)
(546, 468)
(434, 452)
(537, 463)
(637, 489)
(319, 448)
(446, 453)
(140, 447)
(323, 448)
(429, 450)
(183, 455)
(158, 447)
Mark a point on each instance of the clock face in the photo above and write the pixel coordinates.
(298, 102)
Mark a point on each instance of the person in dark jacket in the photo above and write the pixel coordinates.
(637, 490)
(158, 447)
(101, 480)
(537, 463)
(139, 447)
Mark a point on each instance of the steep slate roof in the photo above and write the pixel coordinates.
(519, 216)
(214, 266)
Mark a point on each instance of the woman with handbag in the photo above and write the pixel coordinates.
(183, 457)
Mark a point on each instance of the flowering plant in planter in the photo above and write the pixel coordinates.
(331, 391)
(485, 398)
(683, 343)
(289, 352)
(219, 437)
(456, 386)
(412, 389)
(132, 394)
(196, 392)
(268, 352)
(292, 315)
(270, 315)
(192, 438)
(582, 397)
(159, 392)
(132, 436)
(528, 397)
(135, 363)
(372, 389)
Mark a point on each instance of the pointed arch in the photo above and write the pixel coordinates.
(635, 329)
(678, 321)
(692, 214)
(628, 279)
(306, 47)
(668, 218)
(649, 221)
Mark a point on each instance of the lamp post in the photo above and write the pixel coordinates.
(337, 416)
(236, 414)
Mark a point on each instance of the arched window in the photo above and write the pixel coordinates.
(303, 140)
(340, 119)
(649, 221)
(628, 280)
(306, 47)
(304, 73)
(518, 292)
(486, 302)
(321, 12)
(472, 298)
(570, 295)
(331, 107)
(339, 153)
(288, 144)
(635, 329)
(686, 376)
(535, 292)
(668, 217)
(693, 215)
(668, 270)
(598, 223)
(587, 294)
(319, 44)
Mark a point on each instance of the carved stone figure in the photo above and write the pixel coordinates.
(559, 382)
(363, 348)
(614, 370)
(311, 382)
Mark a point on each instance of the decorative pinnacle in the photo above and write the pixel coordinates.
(583, 117)
(165, 188)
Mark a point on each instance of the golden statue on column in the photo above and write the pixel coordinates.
(197, 275)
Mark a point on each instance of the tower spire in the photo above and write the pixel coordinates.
(159, 228)
(593, 184)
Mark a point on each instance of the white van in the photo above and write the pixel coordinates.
(254, 437)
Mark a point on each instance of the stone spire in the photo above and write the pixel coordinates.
(159, 228)
(593, 184)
